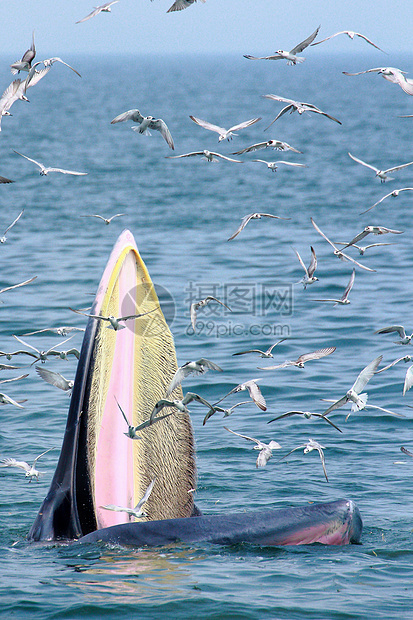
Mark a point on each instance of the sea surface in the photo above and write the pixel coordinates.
(181, 212)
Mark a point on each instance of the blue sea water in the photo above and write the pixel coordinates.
(181, 213)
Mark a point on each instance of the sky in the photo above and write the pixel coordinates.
(217, 26)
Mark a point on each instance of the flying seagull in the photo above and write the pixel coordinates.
(179, 5)
(265, 448)
(405, 358)
(201, 304)
(103, 8)
(272, 165)
(26, 61)
(358, 400)
(210, 156)
(226, 412)
(41, 356)
(375, 230)
(55, 379)
(305, 414)
(296, 106)
(181, 405)
(309, 277)
(3, 238)
(404, 338)
(362, 248)
(133, 430)
(266, 354)
(278, 145)
(305, 357)
(146, 123)
(44, 171)
(105, 219)
(291, 56)
(309, 447)
(198, 367)
(337, 252)
(136, 512)
(254, 216)
(408, 381)
(394, 193)
(392, 75)
(253, 390)
(224, 134)
(60, 331)
(114, 321)
(30, 471)
(351, 35)
(34, 75)
(344, 298)
(382, 174)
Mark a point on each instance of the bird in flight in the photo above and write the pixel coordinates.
(103, 8)
(272, 165)
(3, 238)
(396, 76)
(265, 448)
(404, 338)
(181, 405)
(55, 379)
(394, 193)
(224, 134)
(26, 61)
(105, 219)
(201, 304)
(306, 357)
(278, 145)
(210, 156)
(267, 353)
(381, 174)
(344, 298)
(309, 447)
(253, 390)
(375, 230)
(198, 367)
(305, 414)
(179, 5)
(296, 106)
(136, 512)
(254, 216)
(44, 170)
(226, 412)
(309, 277)
(30, 470)
(145, 124)
(351, 34)
(291, 56)
(114, 321)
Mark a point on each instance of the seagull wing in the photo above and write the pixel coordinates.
(283, 111)
(40, 455)
(322, 234)
(330, 37)
(408, 382)
(179, 376)
(349, 285)
(10, 462)
(207, 125)
(313, 263)
(191, 396)
(339, 403)
(400, 359)
(73, 172)
(50, 61)
(301, 262)
(209, 364)
(130, 115)
(393, 328)
(398, 167)
(243, 224)
(238, 161)
(253, 147)
(9, 288)
(92, 14)
(245, 124)
(162, 127)
(145, 497)
(363, 163)
(362, 36)
(243, 436)
(366, 374)
(357, 238)
(185, 155)
(10, 401)
(41, 166)
(136, 316)
(316, 355)
(256, 395)
(301, 46)
(323, 461)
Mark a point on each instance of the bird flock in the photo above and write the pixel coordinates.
(355, 396)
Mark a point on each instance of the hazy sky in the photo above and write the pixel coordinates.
(241, 26)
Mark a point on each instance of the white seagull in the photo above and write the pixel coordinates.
(44, 171)
(375, 230)
(392, 75)
(394, 193)
(309, 447)
(405, 358)
(181, 405)
(264, 448)
(362, 248)
(408, 381)
(351, 34)
(136, 512)
(272, 165)
(114, 322)
(253, 390)
(9, 288)
(309, 277)
(146, 123)
(55, 379)
(254, 216)
(41, 356)
(3, 238)
(305, 414)
(201, 304)
(278, 145)
(179, 5)
(344, 298)
(291, 56)
(107, 220)
(358, 400)
(382, 174)
(34, 75)
(337, 252)
(404, 338)
(210, 156)
(60, 331)
(305, 357)
(103, 8)
(266, 354)
(133, 430)
(226, 412)
(198, 367)
(296, 106)
(224, 134)
(31, 471)
(26, 61)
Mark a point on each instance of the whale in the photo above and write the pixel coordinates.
(130, 368)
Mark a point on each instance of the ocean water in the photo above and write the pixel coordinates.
(181, 213)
